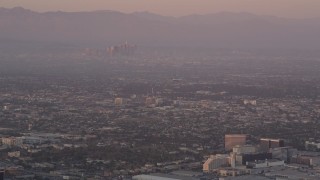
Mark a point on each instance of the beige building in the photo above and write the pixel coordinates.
(237, 151)
(119, 101)
(244, 149)
(232, 140)
(150, 101)
(233, 172)
(215, 162)
(14, 154)
(12, 141)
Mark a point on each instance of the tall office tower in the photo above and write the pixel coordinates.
(231, 140)
(266, 143)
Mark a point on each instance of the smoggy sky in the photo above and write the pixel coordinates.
(283, 8)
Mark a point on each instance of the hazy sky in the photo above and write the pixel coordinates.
(284, 8)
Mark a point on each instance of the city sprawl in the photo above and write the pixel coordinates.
(130, 112)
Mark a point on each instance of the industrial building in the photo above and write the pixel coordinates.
(283, 153)
(265, 163)
(312, 146)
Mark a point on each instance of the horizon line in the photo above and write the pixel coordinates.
(146, 11)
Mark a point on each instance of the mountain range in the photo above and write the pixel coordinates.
(223, 30)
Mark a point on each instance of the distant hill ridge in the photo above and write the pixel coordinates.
(224, 29)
